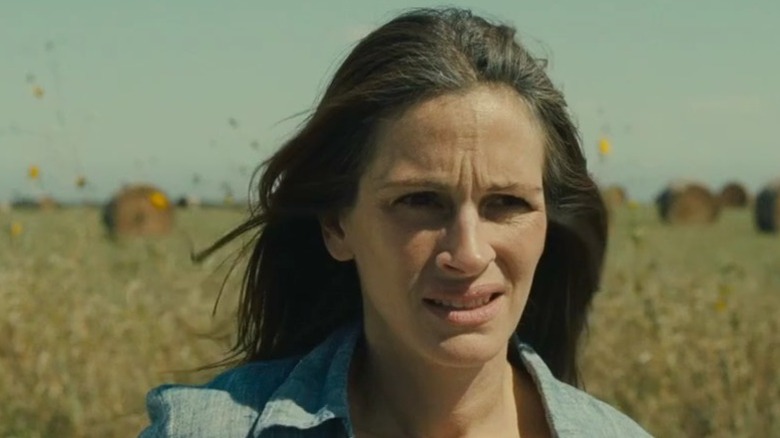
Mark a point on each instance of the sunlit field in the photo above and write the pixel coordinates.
(683, 337)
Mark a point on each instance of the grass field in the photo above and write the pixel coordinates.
(684, 334)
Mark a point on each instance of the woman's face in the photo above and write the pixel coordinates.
(448, 226)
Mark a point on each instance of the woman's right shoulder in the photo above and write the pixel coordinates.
(228, 405)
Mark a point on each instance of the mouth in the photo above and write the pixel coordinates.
(466, 311)
(462, 304)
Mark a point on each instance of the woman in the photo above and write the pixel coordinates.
(427, 248)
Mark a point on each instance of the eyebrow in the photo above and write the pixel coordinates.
(438, 185)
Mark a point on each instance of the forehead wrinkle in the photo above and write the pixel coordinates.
(412, 175)
(441, 140)
(425, 148)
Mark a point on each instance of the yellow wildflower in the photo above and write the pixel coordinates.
(158, 200)
(605, 147)
(16, 229)
(33, 172)
(38, 92)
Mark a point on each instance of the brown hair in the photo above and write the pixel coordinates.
(294, 294)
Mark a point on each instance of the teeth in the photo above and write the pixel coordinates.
(473, 304)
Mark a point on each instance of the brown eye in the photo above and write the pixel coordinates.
(421, 200)
(502, 205)
(508, 201)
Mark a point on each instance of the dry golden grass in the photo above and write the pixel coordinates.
(683, 336)
(90, 325)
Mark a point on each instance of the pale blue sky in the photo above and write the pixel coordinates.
(144, 89)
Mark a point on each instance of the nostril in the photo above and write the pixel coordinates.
(462, 264)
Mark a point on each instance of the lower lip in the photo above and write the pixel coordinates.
(467, 317)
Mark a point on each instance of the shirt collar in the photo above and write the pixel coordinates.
(316, 389)
(556, 400)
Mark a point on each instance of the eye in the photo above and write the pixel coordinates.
(421, 200)
(507, 203)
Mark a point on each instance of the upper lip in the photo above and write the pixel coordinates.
(466, 293)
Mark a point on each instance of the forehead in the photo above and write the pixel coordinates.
(489, 129)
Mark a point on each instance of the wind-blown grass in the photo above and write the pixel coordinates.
(683, 336)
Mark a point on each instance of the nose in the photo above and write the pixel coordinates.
(465, 249)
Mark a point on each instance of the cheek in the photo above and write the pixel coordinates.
(409, 252)
(418, 250)
(521, 247)
(538, 238)
(390, 255)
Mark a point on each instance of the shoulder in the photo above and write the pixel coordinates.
(581, 414)
(571, 412)
(233, 401)
(303, 392)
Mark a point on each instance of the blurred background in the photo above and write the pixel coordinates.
(129, 132)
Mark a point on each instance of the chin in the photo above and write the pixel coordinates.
(469, 349)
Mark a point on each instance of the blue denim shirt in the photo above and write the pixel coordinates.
(306, 397)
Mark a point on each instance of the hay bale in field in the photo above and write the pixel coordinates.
(687, 203)
(138, 210)
(733, 195)
(767, 208)
(614, 196)
(43, 203)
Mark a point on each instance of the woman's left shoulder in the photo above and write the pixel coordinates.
(582, 414)
(572, 412)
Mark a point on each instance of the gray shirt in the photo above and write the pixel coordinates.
(306, 397)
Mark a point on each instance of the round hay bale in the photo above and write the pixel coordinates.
(138, 210)
(733, 195)
(615, 196)
(767, 208)
(687, 203)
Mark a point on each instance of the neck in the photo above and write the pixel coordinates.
(399, 394)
